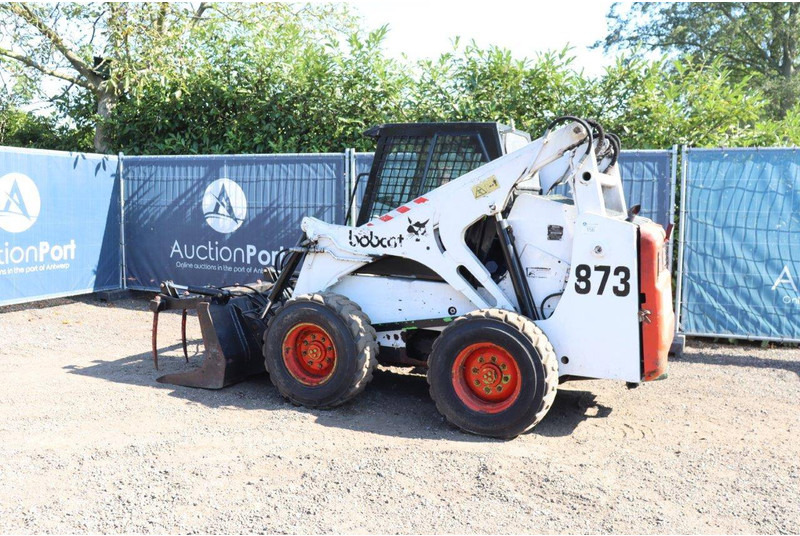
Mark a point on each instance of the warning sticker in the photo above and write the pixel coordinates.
(485, 187)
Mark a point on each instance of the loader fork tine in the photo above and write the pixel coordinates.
(183, 336)
(211, 373)
(155, 339)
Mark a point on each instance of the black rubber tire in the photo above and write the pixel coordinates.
(529, 347)
(354, 337)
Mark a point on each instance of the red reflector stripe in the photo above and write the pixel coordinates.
(385, 218)
(420, 200)
(403, 210)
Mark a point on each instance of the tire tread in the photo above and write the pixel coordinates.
(364, 335)
(538, 340)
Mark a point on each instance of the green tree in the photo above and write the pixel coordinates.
(649, 103)
(282, 85)
(20, 127)
(654, 104)
(89, 46)
(108, 51)
(755, 40)
(260, 78)
(489, 84)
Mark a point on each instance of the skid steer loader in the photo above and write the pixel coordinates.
(477, 271)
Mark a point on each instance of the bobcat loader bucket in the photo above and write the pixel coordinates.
(231, 337)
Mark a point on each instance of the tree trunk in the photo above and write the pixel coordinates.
(786, 63)
(106, 100)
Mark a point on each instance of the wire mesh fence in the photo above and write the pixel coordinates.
(740, 245)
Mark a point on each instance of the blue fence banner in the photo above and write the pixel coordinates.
(740, 221)
(59, 224)
(219, 220)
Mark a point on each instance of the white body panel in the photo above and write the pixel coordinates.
(393, 299)
(537, 222)
(597, 333)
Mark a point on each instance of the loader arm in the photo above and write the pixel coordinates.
(430, 229)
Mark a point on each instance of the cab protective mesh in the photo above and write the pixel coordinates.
(414, 165)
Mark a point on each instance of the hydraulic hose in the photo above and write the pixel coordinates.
(578, 120)
(616, 147)
(601, 137)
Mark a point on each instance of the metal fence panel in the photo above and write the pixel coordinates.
(647, 178)
(740, 267)
(219, 219)
(59, 224)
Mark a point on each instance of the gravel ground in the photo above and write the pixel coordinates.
(89, 442)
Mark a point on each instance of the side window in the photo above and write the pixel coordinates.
(397, 181)
(399, 173)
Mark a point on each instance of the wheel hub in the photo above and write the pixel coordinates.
(309, 354)
(486, 377)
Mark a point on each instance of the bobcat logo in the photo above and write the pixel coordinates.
(417, 229)
(224, 206)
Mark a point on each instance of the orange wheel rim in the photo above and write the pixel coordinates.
(486, 378)
(309, 354)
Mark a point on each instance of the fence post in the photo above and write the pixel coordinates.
(346, 184)
(120, 173)
(352, 184)
(681, 239)
(673, 179)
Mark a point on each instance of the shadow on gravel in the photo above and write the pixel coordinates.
(570, 408)
(394, 404)
(255, 393)
(740, 360)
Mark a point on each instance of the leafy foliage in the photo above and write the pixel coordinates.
(22, 129)
(295, 93)
(490, 84)
(755, 40)
(654, 104)
(243, 78)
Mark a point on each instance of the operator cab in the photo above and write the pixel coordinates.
(414, 158)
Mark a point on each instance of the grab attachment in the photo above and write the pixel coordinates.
(230, 327)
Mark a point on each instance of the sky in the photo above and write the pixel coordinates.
(422, 29)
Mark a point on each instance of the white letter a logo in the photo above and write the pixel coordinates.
(15, 197)
(784, 278)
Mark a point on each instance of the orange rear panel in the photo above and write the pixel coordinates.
(656, 289)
